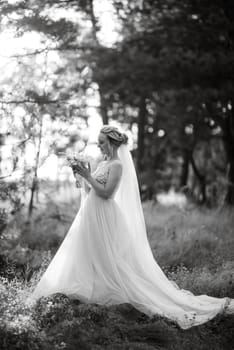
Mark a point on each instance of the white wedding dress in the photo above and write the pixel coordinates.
(106, 259)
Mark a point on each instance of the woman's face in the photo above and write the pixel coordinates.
(103, 143)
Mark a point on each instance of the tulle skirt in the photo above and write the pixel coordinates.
(98, 262)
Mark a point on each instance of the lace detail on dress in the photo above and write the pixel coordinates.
(102, 173)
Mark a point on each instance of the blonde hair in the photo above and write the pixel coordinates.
(114, 135)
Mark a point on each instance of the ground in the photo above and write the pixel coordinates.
(194, 246)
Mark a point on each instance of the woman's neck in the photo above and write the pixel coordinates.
(114, 156)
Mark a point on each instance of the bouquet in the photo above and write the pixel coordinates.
(74, 161)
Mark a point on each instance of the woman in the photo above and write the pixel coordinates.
(106, 258)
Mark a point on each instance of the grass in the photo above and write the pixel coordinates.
(194, 246)
(195, 237)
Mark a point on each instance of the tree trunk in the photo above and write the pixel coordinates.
(202, 181)
(229, 147)
(103, 107)
(141, 134)
(94, 22)
(229, 199)
(2, 141)
(228, 7)
(185, 168)
(33, 189)
(34, 186)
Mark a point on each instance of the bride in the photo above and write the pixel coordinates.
(106, 258)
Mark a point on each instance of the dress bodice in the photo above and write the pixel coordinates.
(102, 172)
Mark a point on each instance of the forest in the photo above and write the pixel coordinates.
(164, 72)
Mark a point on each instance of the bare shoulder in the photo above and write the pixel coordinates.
(116, 166)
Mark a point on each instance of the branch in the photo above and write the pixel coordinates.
(47, 49)
(29, 101)
(65, 101)
(16, 143)
(5, 176)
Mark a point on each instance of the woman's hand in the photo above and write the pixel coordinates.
(82, 170)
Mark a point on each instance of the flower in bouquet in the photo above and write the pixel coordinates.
(75, 161)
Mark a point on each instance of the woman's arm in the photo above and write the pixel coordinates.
(104, 191)
(107, 190)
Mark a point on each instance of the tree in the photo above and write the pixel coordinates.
(200, 68)
(171, 72)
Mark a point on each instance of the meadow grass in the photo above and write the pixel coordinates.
(194, 247)
(194, 237)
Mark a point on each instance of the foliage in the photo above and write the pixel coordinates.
(195, 237)
(170, 76)
(8, 193)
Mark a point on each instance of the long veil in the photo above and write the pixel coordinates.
(128, 199)
(178, 304)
